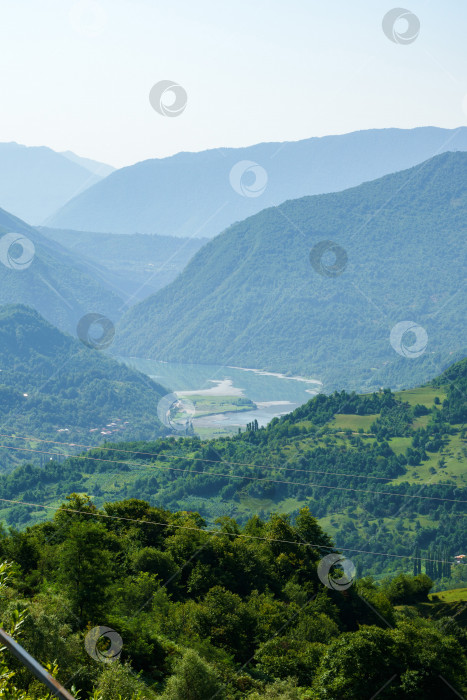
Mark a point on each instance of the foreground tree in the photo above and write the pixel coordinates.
(193, 679)
(410, 661)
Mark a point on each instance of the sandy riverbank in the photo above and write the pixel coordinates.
(264, 373)
(223, 387)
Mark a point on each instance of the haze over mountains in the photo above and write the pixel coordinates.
(250, 297)
(36, 181)
(71, 273)
(316, 286)
(100, 169)
(200, 194)
(138, 264)
(59, 284)
(233, 372)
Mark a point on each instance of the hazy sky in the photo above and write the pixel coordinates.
(76, 74)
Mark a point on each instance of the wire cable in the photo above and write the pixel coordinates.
(199, 459)
(238, 476)
(221, 532)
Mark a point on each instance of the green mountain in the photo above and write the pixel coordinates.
(58, 283)
(200, 194)
(137, 265)
(319, 286)
(54, 386)
(385, 473)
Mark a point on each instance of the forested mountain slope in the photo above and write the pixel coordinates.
(266, 293)
(54, 386)
(59, 284)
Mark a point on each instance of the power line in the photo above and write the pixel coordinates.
(200, 459)
(238, 476)
(219, 532)
(164, 455)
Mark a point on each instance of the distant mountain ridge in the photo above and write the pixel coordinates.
(62, 286)
(200, 194)
(138, 264)
(93, 166)
(251, 298)
(35, 181)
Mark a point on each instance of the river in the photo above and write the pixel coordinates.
(274, 394)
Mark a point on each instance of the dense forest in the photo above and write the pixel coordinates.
(383, 469)
(135, 602)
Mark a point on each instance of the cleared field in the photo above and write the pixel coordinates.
(424, 395)
(399, 444)
(206, 405)
(249, 505)
(450, 596)
(421, 422)
(208, 432)
(430, 470)
(349, 421)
